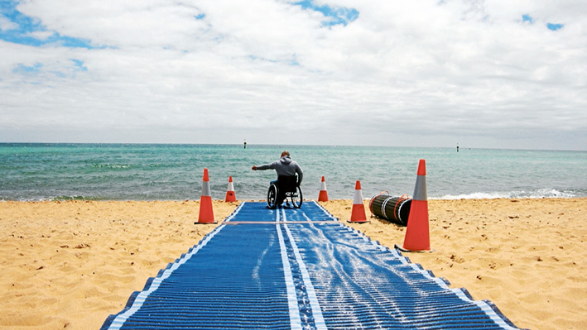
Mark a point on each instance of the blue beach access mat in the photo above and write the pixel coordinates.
(298, 269)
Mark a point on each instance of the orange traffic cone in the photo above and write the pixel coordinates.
(323, 196)
(230, 196)
(358, 211)
(206, 211)
(417, 232)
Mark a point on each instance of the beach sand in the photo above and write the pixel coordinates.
(71, 264)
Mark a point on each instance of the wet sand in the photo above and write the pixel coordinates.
(71, 264)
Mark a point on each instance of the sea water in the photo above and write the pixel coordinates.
(35, 172)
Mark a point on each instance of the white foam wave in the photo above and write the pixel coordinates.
(540, 193)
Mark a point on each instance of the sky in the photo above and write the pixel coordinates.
(431, 73)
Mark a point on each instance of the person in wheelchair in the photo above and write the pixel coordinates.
(287, 185)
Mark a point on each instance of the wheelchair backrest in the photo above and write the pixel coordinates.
(287, 183)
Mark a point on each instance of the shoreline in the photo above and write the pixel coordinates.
(70, 264)
(444, 198)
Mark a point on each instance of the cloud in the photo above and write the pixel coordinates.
(22, 29)
(6, 24)
(428, 73)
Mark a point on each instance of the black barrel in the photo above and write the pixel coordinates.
(394, 209)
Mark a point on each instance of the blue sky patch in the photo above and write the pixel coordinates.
(335, 16)
(28, 70)
(23, 35)
(550, 26)
(41, 71)
(554, 27)
(292, 61)
(79, 64)
(527, 18)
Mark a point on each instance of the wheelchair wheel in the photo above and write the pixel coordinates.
(297, 199)
(272, 196)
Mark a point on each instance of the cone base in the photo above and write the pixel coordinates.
(206, 211)
(358, 221)
(417, 231)
(323, 196)
(358, 213)
(401, 248)
(230, 197)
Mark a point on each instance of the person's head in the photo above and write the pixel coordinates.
(285, 153)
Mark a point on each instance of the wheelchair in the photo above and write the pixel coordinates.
(284, 189)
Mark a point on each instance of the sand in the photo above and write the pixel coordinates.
(71, 264)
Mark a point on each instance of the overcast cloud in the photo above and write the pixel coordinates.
(431, 73)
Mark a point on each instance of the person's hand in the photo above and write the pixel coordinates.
(254, 167)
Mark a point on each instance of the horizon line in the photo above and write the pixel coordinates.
(299, 145)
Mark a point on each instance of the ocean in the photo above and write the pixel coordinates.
(39, 172)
